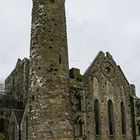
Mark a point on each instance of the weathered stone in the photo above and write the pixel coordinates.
(49, 73)
(62, 104)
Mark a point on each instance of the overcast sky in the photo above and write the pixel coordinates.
(93, 25)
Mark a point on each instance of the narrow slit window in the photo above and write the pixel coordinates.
(123, 118)
(60, 60)
(2, 125)
(78, 103)
(97, 117)
(110, 118)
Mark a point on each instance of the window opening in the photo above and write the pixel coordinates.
(97, 117)
(123, 118)
(110, 117)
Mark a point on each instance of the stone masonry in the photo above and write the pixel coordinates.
(49, 100)
(44, 100)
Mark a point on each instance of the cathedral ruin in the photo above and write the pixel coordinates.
(45, 100)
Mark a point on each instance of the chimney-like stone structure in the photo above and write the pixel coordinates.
(49, 100)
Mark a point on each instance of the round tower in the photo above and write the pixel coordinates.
(49, 100)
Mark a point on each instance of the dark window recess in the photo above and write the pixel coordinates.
(123, 118)
(33, 97)
(97, 117)
(110, 118)
(52, 39)
(78, 103)
(2, 125)
(39, 68)
(52, 0)
(60, 60)
(50, 47)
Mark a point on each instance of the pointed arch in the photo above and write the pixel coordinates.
(123, 118)
(111, 118)
(97, 117)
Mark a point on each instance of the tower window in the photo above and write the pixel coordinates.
(123, 118)
(33, 97)
(50, 47)
(110, 118)
(60, 60)
(97, 117)
(52, 39)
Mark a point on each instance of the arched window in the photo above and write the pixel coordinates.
(110, 118)
(123, 118)
(97, 117)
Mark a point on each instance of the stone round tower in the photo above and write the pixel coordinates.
(49, 100)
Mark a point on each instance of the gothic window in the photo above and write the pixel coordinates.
(97, 117)
(123, 118)
(78, 103)
(110, 118)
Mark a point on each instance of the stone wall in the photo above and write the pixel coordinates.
(78, 92)
(17, 82)
(108, 86)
